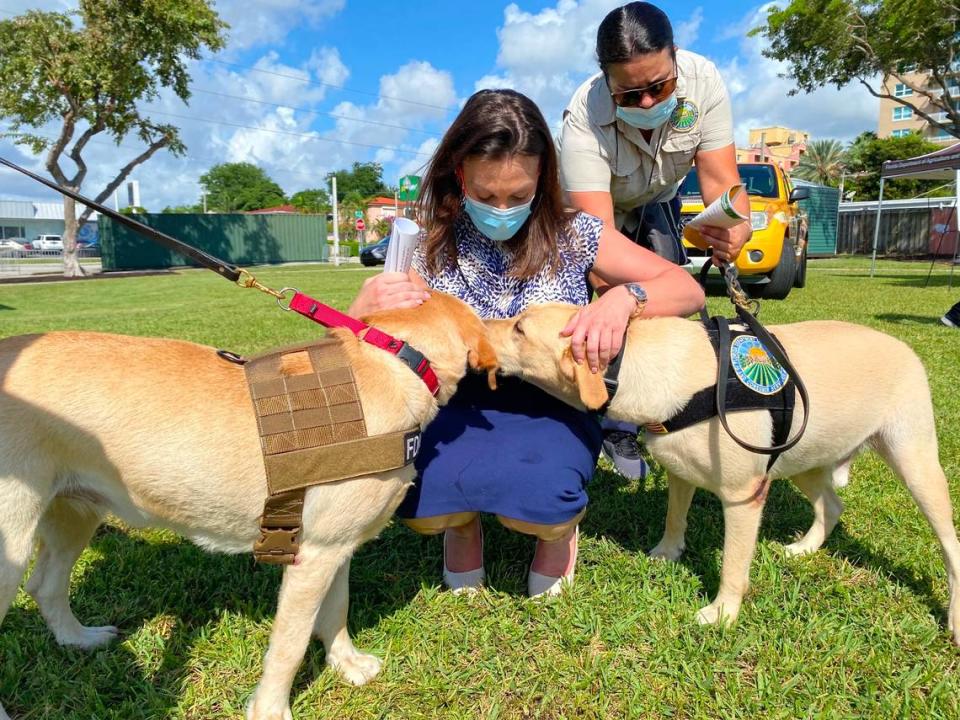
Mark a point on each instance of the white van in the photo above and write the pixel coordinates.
(48, 242)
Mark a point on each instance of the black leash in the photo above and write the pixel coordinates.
(747, 311)
(230, 272)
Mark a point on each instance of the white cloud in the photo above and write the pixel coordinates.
(268, 21)
(327, 66)
(417, 165)
(685, 34)
(760, 96)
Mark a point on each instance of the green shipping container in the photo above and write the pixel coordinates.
(238, 239)
(821, 210)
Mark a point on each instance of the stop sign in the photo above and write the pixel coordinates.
(361, 225)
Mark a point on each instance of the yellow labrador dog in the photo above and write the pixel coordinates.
(866, 389)
(162, 433)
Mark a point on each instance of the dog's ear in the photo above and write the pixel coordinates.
(593, 391)
(482, 356)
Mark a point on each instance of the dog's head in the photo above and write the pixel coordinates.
(449, 333)
(530, 346)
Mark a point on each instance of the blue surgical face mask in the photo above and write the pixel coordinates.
(648, 118)
(496, 224)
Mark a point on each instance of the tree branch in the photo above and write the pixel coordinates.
(53, 156)
(914, 108)
(124, 172)
(78, 147)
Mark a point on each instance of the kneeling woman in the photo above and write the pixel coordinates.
(499, 238)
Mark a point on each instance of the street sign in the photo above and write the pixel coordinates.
(358, 214)
(409, 187)
(361, 225)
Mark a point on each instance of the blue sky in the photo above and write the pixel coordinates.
(309, 86)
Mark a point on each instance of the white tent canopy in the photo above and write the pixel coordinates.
(939, 165)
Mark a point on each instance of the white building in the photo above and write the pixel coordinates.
(27, 220)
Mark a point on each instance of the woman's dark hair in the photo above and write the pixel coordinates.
(495, 124)
(636, 28)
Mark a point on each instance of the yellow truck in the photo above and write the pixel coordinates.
(774, 261)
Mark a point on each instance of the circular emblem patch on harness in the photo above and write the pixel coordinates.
(755, 367)
(684, 116)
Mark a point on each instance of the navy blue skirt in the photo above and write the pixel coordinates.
(515, 451)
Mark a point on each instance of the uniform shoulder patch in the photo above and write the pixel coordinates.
(685, 116)
(755, 367)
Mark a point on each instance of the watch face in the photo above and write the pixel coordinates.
(637, 291)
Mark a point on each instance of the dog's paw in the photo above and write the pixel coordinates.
(800, 547)
(255, 712)
(357, 668)
(88, 638)
(715, 614)
(667, 551)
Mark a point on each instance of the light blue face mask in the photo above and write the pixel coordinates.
(496, 224)
(648, 118)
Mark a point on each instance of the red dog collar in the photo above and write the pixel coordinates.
(328, 317)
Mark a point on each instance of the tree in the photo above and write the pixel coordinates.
(836, 42)
(866, 156)
(231, 187)
(365, 179)
(314, 200)
(822, 162)
(91, 80)
(181, 209)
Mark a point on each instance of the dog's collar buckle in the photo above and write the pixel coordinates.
(277, 546)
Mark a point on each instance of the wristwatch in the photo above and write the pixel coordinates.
(640, 295)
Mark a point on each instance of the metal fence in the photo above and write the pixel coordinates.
(918, 231)
(22, 263)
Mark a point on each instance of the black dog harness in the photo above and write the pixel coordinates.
(762, 379)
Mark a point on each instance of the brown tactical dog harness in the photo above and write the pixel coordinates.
(312, 431)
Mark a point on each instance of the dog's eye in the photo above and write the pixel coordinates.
(517, 329)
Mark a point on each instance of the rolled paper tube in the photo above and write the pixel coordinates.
(720, 213)
(403, 241)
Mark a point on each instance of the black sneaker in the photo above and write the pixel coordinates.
(952, 318)
(621, 449)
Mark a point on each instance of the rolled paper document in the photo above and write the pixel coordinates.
(720, 213)
(403, 241)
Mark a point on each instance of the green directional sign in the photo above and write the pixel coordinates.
(409, 187)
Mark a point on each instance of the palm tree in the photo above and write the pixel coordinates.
(822, 163)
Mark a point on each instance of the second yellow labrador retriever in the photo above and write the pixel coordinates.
(866, 389)
(162, 433)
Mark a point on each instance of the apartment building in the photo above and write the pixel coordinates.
(779, 145)
(897, 120)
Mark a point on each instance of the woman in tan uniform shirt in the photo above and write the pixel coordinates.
(630, 135)
(632, 132)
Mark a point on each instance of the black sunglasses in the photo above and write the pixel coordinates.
(658, 91)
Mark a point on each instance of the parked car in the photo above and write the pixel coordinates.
(375, 254)
(13, 245)
(774, 261)
(48, 242)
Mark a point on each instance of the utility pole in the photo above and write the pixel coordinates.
(763, 147)
(204, 196)
(336, 221)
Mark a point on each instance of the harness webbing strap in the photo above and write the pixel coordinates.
(312, 431)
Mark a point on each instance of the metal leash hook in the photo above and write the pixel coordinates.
(248, 280)
(735, 291)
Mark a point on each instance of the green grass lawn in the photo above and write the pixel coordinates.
(856, 630)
